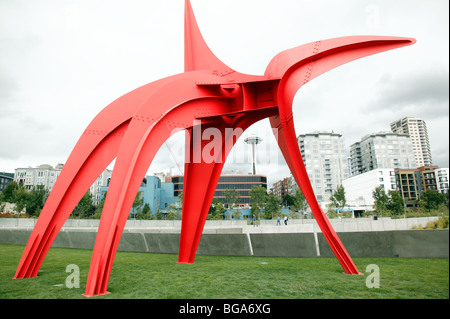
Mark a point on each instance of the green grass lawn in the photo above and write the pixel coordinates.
(158, 276)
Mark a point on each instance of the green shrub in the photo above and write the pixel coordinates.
(441, 223)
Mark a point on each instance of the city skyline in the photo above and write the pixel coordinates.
(346, 171)
(54, 55)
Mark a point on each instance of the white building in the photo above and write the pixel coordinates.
(46, 175)
(442, 175)
(41, 175)
(359, 188)
(382, 150)
(416, 128)
(326, 162)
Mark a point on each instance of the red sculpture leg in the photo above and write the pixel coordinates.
(120, 198)
(201, 175)
(200, 180)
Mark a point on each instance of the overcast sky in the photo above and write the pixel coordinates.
(61, 62)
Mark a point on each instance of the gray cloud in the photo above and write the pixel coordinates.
(423, 94)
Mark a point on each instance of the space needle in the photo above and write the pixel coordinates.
(253, 140)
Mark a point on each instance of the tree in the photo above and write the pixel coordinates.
(99, 208)
(395, 203)
(217, 210)
(137, 204)
(446, 197)
(381, 199)
(289, 200)
(159, 215)
(236, 214)
(172, 212)
(8, 193)
(84, 208)
(258, 195)
(338, 198)
(171, 215)
(272, 206)
(300, 202)
(35, 200)
(232, 196)
(432, 199)
(146, 212)
(20, 197)
(255, 211)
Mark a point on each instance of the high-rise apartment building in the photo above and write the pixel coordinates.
(416, 128)
(381, 150)
(326, 162)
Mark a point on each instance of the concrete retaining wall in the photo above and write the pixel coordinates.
(284, 245)
(405, 243)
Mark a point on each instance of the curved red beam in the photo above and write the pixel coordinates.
(208, 95)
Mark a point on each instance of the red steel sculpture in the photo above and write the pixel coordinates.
(207, 96)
